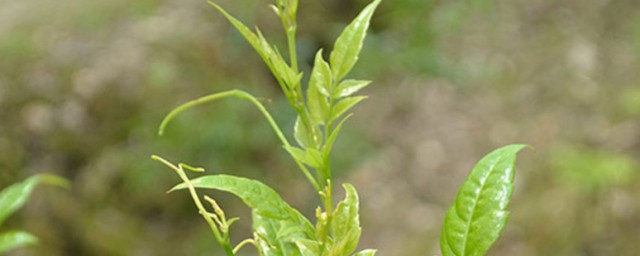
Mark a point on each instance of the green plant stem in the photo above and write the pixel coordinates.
(222, 240)
(245, 96)
(291, 40)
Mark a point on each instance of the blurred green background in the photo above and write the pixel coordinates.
(84, 85)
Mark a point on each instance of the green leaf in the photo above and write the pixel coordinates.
(258, 196)
(307, 137)
(15, 239)
(301, 134)
(318, 105)
(311, 156)
(278, 236)
(332, 137)
(16, 195)
(285, 75)
(478, 215)
(321, 75)
(345, 226)
(314, 158)
(349, 87)
(309, 247)
(349, 43)
(367, 252)
(344, 105)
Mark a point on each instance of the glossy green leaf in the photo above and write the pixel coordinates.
(309, 247)
(301, 134)
(258, 196)
(344, 105)
(321, 75)
(345, 226)
(16, 195)
(15, 239)
(317, 105)
(349, 87)
(278, 236)
(307, 137)
(367, 252)
(478, 215)
(349, 43)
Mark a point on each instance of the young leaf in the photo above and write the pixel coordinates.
(15, 239)
(16, 195)
(478, 215)
(297, 153)
(345, 226)
(344, 105)
(258, 196)
(301, 134)
(349, 87)
(318, 105)
(278, 236)
(309, 247)
(283, 73)
(334, 134)
(314, 158)
(321, 76)
(349, 43)
(367, 252)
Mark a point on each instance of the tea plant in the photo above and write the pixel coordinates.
(13, 198)
(472, 224)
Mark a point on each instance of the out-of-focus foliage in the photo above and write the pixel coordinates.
(84, 84)
(13, 198)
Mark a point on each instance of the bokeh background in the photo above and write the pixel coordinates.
(84, 85)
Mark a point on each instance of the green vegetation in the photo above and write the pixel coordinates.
(12, 199)
(472, 224)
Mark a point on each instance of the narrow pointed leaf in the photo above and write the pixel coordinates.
(283, 73)
(349, 87)
(344, 105)
(345, 227)
(16, 195)
(15, 239)
(478, 215)
(349, 43)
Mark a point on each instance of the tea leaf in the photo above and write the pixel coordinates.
(478, 215)
(349, 87)
(318, 105)
(309, 247)
(15, 239)
(349, 43)
(16, 195)
(297, 153)
(321, 76)
(278, 236)
(332, 137)
(283, 73)
(258, 196)
(345, 226)
(344, 105)
(301, 134)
